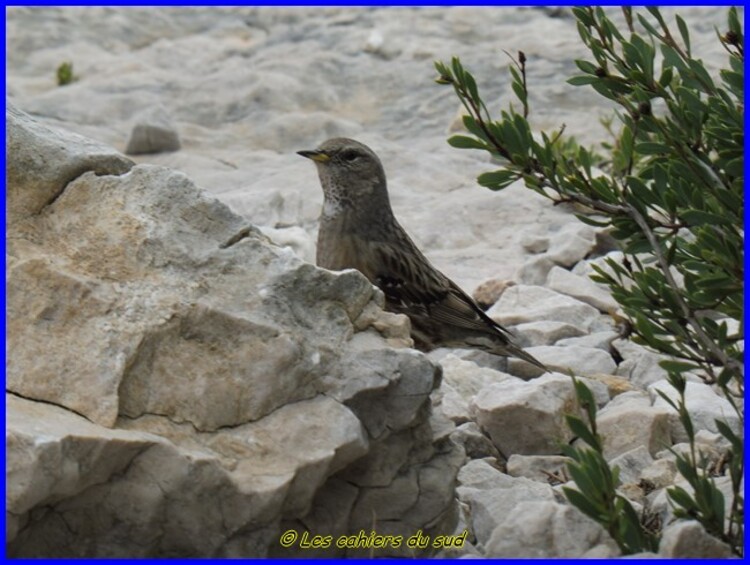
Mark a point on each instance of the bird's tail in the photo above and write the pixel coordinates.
(513, 350)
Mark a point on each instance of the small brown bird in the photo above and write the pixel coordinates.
(358, 231)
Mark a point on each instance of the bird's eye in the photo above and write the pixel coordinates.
(349, 155)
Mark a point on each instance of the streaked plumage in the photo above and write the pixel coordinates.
(358, 230)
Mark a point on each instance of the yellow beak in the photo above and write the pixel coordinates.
(315, 155)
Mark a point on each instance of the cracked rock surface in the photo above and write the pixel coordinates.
(170, 395)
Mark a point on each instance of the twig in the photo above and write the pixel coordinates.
(706, 341)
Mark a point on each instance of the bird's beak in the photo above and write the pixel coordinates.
(315, 155)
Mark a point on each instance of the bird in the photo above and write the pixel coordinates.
(358, 230)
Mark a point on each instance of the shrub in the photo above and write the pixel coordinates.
(670, 189)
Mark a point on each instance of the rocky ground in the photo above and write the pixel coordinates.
(179, 386)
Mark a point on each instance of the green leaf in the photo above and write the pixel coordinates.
(701, 217)
(700, 72)
(641, 192)
(727, 432)
(646, 55)
(667, 399)
(519, 91)
(592, 222)
(579, 429)
(665, 79)
(582, 503)
(497, 180)
(464, 142)
(647, 26)
(733, 80)
(586, 66)
(515, 74)
(677, 366)
(585, 398)
(734, 22)
(611, 29)
(471, 86)
(672, 58)
(473, 127)
(651, 148)
(684, 33)
(581, 80)
(458, 70)
(717, 505)
(578, 473)
(584, 16)
(626, 141)
(682, 498)
(654, 11)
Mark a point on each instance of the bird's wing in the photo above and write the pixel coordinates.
(411, 284)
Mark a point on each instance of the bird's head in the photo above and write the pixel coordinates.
(350, 172)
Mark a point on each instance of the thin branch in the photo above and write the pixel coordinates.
(706, 341)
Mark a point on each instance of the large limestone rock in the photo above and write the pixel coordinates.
(179, 386)
(583, 289)
(546, 529)
(703, 404)
(688, 540)
(527, 417)
(492, 496)
(523, 304)
(580, 360)
(629, 421)
(44, 161)
(76, 488)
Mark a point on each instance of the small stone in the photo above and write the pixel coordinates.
(377, 46)
(710, 454)
(526, 417)
(663, 506)
(586, 268)
(579, 360)
(635, 494)
(534, 242)
(548, 469)
(495, 496)
(452, 405)
(489, 292)
(571, 244)
(534, 271)
(597, 340)
(703, 404)
(462, 381)
(598, 389)
(688, 540)
(632, 464)
(545, 333)
(640, 366)
(153, 133)
(659, 474)
(581, 288)
(712, 439)
(630, 421)
(523, 303)
(481, 474)
(547, 529)
(615, 385)
(475, 443)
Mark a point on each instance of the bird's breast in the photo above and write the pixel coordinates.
(338, 247)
